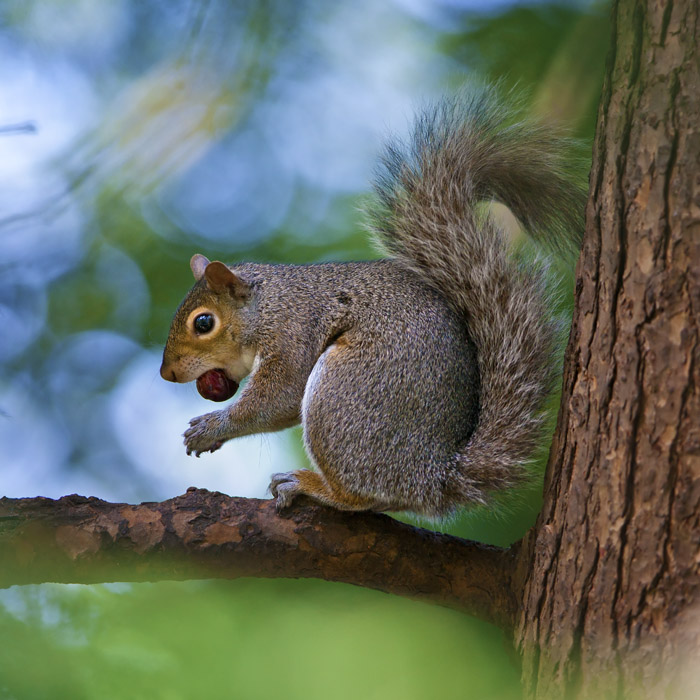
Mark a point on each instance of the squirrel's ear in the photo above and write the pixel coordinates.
(198, 264)
(221, 279)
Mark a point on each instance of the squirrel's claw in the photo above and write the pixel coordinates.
(285, 487)
(204, 434)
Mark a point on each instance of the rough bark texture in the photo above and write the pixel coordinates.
(209, 535)
(611, 601)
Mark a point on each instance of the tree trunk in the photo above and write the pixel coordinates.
(610, 605)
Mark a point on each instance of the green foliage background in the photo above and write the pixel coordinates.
(183, 98)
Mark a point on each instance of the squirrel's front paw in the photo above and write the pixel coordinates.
(284, 487)
(206, 433)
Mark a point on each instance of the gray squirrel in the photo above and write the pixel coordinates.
(419, 379)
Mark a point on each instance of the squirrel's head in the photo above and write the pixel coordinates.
(207, 331)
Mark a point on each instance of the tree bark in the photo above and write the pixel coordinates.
(209, 535)
(611, 600)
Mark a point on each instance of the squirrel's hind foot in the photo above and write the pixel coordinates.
(286, 486)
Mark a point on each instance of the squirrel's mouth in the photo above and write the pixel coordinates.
(216, 385)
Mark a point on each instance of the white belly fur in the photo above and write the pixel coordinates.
(312, 383)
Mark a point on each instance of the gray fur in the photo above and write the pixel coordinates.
(420, 379)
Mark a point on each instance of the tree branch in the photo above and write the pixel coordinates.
(204, 534)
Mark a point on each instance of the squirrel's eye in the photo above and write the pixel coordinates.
(203, 323)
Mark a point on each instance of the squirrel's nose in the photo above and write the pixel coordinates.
(167, 373)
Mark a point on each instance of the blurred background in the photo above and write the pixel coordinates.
(134, 133)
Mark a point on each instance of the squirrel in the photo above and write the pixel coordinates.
(419, 379)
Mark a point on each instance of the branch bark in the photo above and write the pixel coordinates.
(204, 534)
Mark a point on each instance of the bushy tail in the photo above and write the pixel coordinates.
(462, 152)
